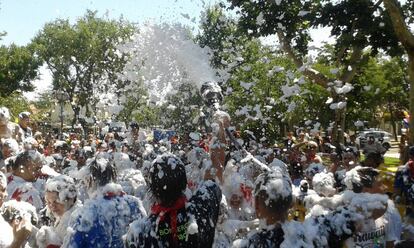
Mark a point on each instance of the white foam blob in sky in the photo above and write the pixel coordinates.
(164, 56)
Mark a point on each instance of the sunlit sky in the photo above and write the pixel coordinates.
(22, 19)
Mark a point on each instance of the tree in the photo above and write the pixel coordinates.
(379, 88)
(399, 23)
(18, 68)
(135, 107)
(354, 24)
(16, 104)
(43, 107)
(258, 75)
(83, 57)
(181, 109)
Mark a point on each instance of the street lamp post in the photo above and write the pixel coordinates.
(61, 96)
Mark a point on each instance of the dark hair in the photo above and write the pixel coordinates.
(23, 158)
(411, 151)
(167, 178)
(134, 124)
(353, 150)
(404, 244)
(375, 157)
(102, 171)
(368, 176)
(280, 204)
(79, 153)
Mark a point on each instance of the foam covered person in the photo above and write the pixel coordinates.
(22, 186)
(61, 201)
(105, 217)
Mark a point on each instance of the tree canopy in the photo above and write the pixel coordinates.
(83, 57)
(18, 68)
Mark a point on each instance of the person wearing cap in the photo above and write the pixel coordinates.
(24, 122)
(310, 149)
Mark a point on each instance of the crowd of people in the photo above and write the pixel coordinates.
(223, 189)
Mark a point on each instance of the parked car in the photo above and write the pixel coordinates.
(380, 136)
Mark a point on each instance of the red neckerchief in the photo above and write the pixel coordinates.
(110, 194)
(246, 191)
(172, 211)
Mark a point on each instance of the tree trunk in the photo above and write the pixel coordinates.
(342, 114)
(407, 40)
(313, 75)
(394, 128)
(411, 78)
(76, 111)
(338, 130)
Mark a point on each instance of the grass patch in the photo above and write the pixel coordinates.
(391, 162)
(388, 161)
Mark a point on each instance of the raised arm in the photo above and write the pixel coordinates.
(218, 147)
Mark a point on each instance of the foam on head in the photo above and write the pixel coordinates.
(275, 187)
(4, 115)
(63, 185)
(167, 178)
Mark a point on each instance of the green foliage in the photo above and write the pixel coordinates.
(135, 107)
(379, 87)
(358, 23)
(181, 109)
(220, 34)
(16, 104)
(353, 23)
(253, 90)
(285, 16)
(83, 57)
(43, 107)
(18, 67)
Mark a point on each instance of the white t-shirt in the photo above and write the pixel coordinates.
(375, 233)
(21, 190)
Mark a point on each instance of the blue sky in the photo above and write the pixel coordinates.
(22, 19)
